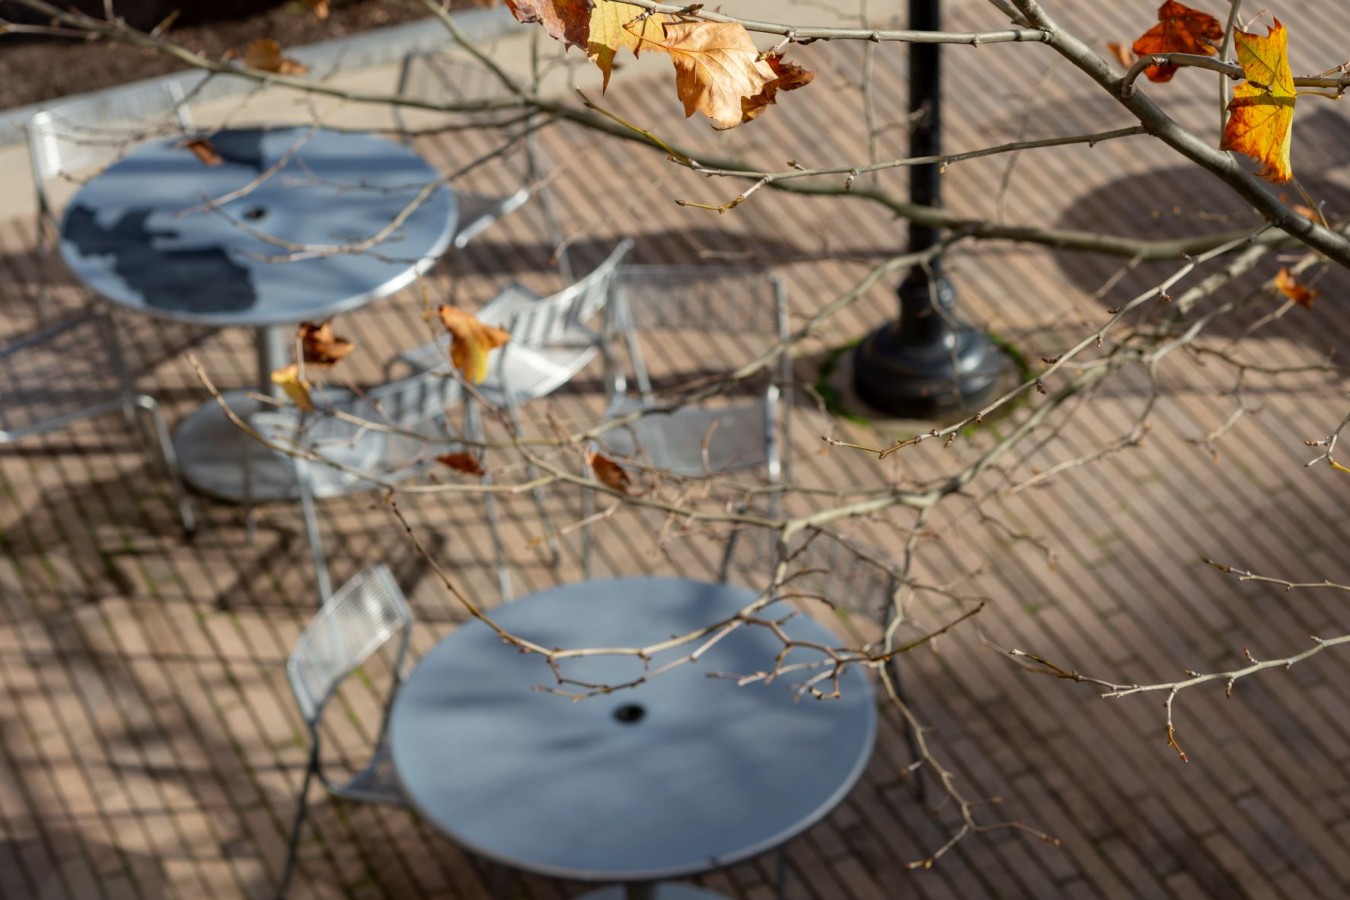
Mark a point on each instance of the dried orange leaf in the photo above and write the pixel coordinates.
(1124, 55)
(472, 341)
(320, 7)
(568, 21)
(289, 379)
(1261, 113)
(616, 25)
(1295, 290)
(610, 473)
(461, 462)
(205, 152)
(790, 77)
(264, 54)
(320, 347)
(1180, 29)
(717, 68)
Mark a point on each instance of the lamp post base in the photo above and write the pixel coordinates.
(927, 365)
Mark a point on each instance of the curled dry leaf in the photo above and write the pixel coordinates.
(568, 21)
(609, 473)
(1289, 285)
(471, 342)
(205, 152)
(790, 77)
(289, 379)
(461, 462)
(320, 347)
(264, 54)
(1180, 29)
(319, 7)
(1261, 113)
(1124, 55)
(717, 69)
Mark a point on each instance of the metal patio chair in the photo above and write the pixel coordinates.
(551, 341)
(700, 439)
(436, 76)
(72, 141)
(71, 370)
(362, 616)
(353, 443)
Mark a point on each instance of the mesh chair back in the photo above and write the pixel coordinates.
(78, 136)
(437, 77)
(353, 624)
(701, 298)
(67, 371)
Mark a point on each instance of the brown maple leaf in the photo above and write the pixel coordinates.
(790, 77)
(1289, 285)
(608, 472)
(461, 462)
(471, 342)
(320, 347)
(568, 21)
(264, 54)
(320, 7)
(1180, 29)
(205, 152)
(717, 69)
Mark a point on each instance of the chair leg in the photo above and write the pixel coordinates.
(782, 872)
(298, 823)
(540, 501)
(587, 510)
(170, 459)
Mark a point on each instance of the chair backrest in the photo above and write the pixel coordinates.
(554, 319)
(720, 299)
(438, 77)
(66, 371)
(74, 138)
(364, 613)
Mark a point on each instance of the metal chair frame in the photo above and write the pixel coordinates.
(706, 299)
(78, 137)
(437, 76)
(362, 616)
(32, 402)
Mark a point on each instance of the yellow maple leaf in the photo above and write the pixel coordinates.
(717, 67)
(616, 25)
(1261, 113)
(289, 379)
(471, 342)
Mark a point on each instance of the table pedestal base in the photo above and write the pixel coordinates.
(213, 453)
(661, 890)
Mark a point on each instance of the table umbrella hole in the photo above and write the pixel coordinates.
(630, 713)
(254, 213)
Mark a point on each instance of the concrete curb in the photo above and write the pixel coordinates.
(379, 46)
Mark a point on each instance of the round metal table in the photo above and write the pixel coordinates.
(680, 775)
(162, 233)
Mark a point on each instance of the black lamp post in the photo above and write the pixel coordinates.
(926, 363)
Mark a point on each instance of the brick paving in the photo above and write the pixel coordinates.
(149, 746)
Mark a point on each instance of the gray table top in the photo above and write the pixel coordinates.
(708, 774)
(141, 235)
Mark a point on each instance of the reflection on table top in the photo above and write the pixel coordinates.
(679, 775)
(164, 233)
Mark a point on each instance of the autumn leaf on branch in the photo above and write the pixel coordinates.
(320, 347)
(615, 26)
(1180, 29)
(320, 7)
(717, 69)
(289, 379)
(461, 462)
(205, 151)
(568, 21)
(264, 54)
(608, 472)
(471, 341)
(1261, 113)
(1288, 284)
(790, 77)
